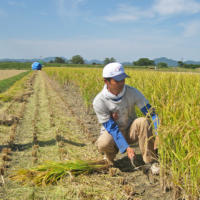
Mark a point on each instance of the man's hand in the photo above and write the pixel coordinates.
(115, 116)
(131, 153)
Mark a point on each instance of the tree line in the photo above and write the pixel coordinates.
(189, 66)
(147, 62)
(77, 59)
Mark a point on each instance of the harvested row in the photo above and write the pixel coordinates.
(37, 116)
(84, 115)
(9, 120)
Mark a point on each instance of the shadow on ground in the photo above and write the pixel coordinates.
(22, 147)
(73, 143)
(52, 142)
(124, 164)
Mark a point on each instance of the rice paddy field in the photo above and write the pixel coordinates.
(9, 73)
(48, 129)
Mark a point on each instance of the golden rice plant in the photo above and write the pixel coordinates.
(176, 98)
(50, 172)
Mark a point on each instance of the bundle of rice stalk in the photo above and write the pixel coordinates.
(50, 172)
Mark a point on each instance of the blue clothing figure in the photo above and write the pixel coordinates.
(36, 66)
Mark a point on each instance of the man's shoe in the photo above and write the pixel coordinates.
(153, 167)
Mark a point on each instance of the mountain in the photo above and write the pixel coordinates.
(52, 58)
(127, 63)
(17, 60)
(29, 60)
(192, 62)
(92, 61)
(169, 62)
(173, 63)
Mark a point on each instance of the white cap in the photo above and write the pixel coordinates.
(114, 70)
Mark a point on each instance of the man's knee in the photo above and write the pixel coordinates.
(142, 122)
(102, 145)
(105, 141)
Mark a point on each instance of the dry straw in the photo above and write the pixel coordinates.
(6, 151)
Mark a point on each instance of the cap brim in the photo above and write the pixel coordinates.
(120, 77)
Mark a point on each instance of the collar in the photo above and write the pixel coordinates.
(109, 95)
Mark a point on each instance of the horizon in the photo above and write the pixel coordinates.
(125, 31)
(88, 59)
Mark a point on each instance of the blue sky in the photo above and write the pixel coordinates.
(126, 30)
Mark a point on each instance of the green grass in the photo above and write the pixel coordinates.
(15, 65)
(5, 84)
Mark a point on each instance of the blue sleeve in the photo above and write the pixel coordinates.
(119, 139)
(156, 122)
(154, 117)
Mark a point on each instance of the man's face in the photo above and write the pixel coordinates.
(115, 86)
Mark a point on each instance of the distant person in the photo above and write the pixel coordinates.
(36, 66)
(115, 109)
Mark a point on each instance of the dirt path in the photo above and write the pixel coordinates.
(51, 111)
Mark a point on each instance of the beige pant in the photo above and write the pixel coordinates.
(139, 130)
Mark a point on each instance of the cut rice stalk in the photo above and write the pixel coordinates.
(50, 172)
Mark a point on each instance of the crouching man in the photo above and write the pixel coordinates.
(115, 109)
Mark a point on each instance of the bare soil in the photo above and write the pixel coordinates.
(9, 73)
(58, 110)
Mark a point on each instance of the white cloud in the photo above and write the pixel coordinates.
(16, 3)
(70, 8)
(191, 28)
(164, 8)
(169, 7)
(126, 12)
